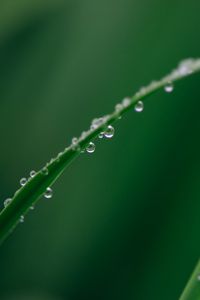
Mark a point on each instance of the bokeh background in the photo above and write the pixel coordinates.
(124, 222)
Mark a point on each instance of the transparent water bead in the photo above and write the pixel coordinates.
(101, 135)
(169, 87)
(90, 148)
(139, 106)
(198, 277)
(49, 193)
(32, 207)
(23, 181)
(126, 102)
(32, 173)
(75, 144)
(21, 220)
(45, 171)
(7, 202)
(110, 131)
(74, 140)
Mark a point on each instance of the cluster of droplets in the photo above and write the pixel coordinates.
(108, 133)
(184, 68)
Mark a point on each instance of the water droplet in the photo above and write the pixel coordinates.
(49, 193)
(90, 148)
(45, 171)
(126, 102)
(32, 173)
(74, 140)
(169, 87)
(32, 207)
(7, 202)
(109, 133)
(198, 277)
(139, 106)
(75, 145)
(101, 135)
(23, 181)
(21, 220)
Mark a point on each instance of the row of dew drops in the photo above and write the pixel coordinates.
(184, 68)
(48, 193)
(108, 133)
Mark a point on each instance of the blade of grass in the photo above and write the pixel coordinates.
(192, 289)
(29, 194)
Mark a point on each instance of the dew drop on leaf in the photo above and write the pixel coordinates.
(109, 133)
(7, 202)
(139, 106)
(49, 193)
(23, 181)
(169, 87)
(90, 148)
(21, 220)
(32, 173)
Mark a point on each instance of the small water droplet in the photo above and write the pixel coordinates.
(32, 173)
(139, 106)
(109, 133)
(32, 207)
(49, 193)
(198, 277)
(169, 87)
(75, 145)
(7, 202)
(90, 148)
(21, 220)
(23, 181)
(45, 171)
(74, 140)
(101, 135)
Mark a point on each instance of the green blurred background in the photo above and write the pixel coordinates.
(124, 222)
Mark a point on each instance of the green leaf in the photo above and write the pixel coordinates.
(35, 187)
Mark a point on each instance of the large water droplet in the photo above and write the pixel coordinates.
(169, 87)
(109, 133)
(7, 202)
(90, 148)
(139, 106)
(32, 173)
(23, 181)
(49, 193)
